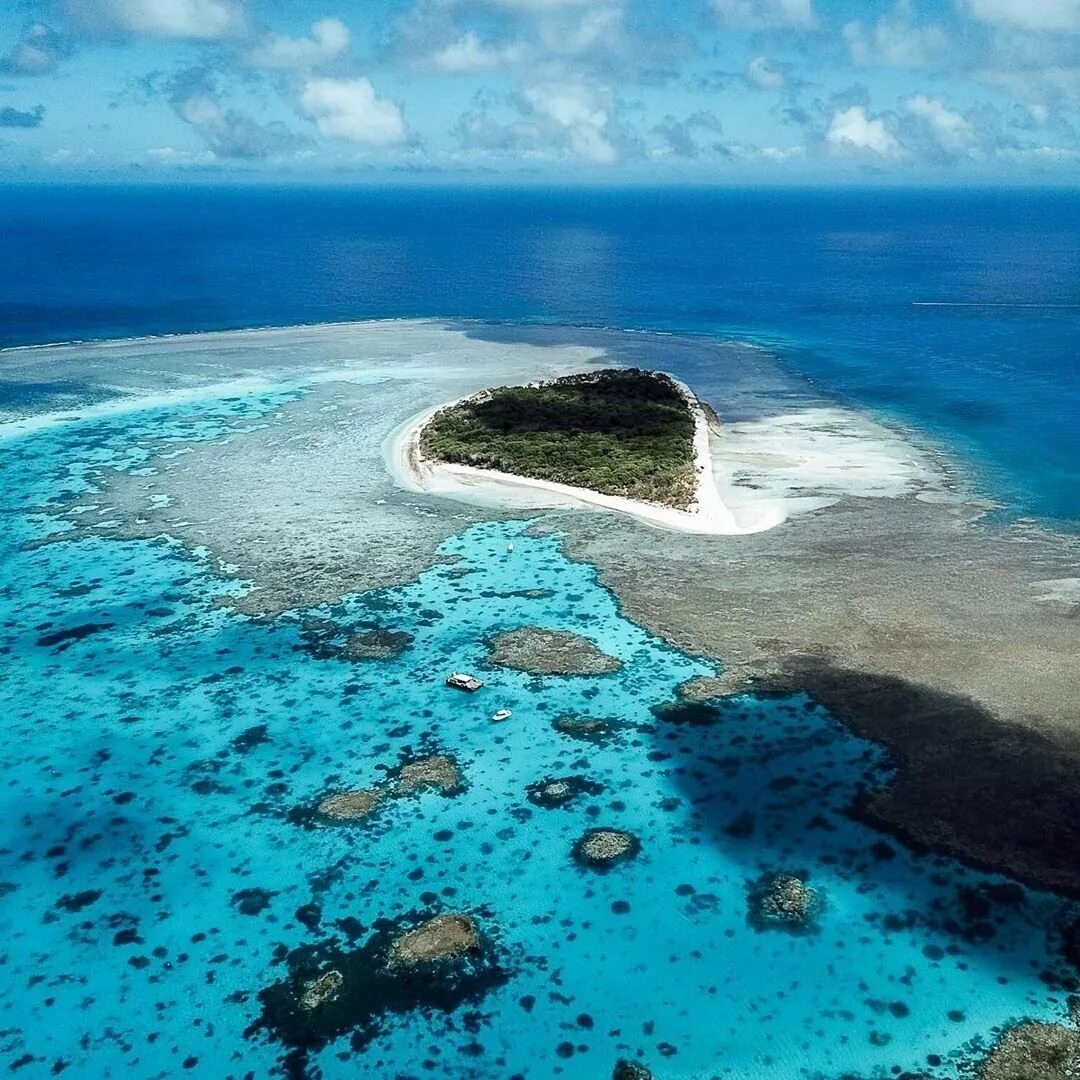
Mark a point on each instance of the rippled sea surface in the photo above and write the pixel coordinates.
(163, 870)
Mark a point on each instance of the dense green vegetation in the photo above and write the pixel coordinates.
(619, 432)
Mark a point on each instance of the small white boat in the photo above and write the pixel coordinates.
(460, 681)
(502, 714)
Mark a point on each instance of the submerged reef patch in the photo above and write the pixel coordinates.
(377, 644)
(783, 901)
(631, 1070)
(350, 805)
(550, 652)
(695, 713)
(602, 849)
(328, 639)
(1034, 1051)
(440, 773)
(417, 962)
(551, 794)
(442, 938)
(590, 729)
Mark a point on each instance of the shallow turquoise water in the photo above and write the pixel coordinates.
(157, 748)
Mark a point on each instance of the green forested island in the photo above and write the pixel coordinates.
(623, 432)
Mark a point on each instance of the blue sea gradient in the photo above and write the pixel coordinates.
(955, 311)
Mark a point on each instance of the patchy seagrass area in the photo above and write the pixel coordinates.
(241, 802)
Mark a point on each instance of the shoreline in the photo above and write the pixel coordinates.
(709, 514)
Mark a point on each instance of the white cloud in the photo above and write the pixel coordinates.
(1041, 90)
(1029, 14)
(763, 75)
(181, 159)
(197, 20)
(329, 40)
(765, 12)
(469, 54)
(38, 53)
(349, 109)
(895, 40)
(949, 129)
(583, 32)
(227, 132)
(559, 115)
(577, 113)
(852, 130)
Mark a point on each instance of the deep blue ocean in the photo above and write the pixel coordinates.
(958, 311)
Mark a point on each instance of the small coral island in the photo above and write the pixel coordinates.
(621, 432)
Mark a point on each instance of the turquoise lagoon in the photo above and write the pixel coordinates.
(160, 751)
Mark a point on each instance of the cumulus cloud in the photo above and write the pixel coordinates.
(1029, 14)
(595, 29)
(16, 118)
(950, 130)
(329, 41)
(577, 114)
(227, 132)
(196, 20)
(469, 54)
(1044, 92)
(38, 52)
(350, 109)
(895, 40)
(852, 131)
(765, 12)
(680, 138)
(763, 75)
(559, 115)
(466, 36)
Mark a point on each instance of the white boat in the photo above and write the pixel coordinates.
(460, 681)
(502, 714)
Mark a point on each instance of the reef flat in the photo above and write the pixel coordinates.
(917, 624)
(297, 502)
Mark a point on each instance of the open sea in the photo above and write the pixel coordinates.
(168, 890)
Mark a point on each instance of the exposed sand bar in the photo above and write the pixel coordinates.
(709, 515)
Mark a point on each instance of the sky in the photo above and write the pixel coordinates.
(604, 91)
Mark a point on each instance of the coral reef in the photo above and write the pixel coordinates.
(783, 901)
(604, 848)
(440, 938)
(550, 652)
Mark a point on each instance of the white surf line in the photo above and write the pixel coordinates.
(708, 515)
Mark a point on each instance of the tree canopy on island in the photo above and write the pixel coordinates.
(621, 432)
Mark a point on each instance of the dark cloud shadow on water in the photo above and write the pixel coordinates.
(782, 787)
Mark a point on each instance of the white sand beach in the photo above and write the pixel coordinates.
(709, 514)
